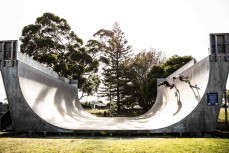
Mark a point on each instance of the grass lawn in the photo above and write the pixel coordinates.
(97, 112)
(221, 119)
(222, 114)
(160, 145)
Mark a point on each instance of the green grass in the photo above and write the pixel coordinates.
(97, 112)
(160, 145)
(94, 111)
(113, 113)
(222, 114)
(221, 119)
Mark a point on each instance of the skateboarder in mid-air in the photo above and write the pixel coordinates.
(166, 84)
(181, 78)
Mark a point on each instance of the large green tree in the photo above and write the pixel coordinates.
(137, 88)
(174, 63)
(52, 42)
(115, 51)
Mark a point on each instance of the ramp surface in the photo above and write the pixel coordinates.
(40, 101)
(56, 102)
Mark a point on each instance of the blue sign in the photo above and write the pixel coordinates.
(212, 99)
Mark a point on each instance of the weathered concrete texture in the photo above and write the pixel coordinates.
(26, 59)
(23, 119)
(39, 101)
(205, 117)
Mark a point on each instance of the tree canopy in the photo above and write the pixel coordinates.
(174, 63)
(137, 68)
(52, 42)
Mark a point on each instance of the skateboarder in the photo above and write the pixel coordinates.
(181, 78)
(166, 84)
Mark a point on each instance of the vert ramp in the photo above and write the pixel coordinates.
(40, 101)
(43, 102)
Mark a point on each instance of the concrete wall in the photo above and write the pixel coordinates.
(23, 118)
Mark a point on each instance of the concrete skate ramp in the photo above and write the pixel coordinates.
(56, 102)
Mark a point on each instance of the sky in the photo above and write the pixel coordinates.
(179, 27)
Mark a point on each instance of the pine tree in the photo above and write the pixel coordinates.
(115, 52)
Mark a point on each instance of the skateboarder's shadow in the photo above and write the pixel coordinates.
(179, 103)
(196, 93)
